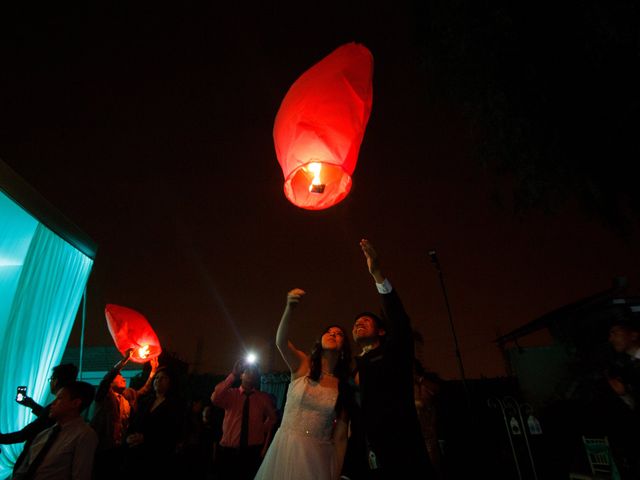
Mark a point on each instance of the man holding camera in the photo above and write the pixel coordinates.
(249, 418)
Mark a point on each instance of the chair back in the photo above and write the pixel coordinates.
(600, 459)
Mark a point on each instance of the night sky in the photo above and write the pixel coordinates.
(150, 128)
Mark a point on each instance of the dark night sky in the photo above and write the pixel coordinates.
(150, 128)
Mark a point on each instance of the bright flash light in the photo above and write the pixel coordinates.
(143, 351)
(316, 184)
(251, 358)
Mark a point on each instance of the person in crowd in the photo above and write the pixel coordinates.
(624, 382)
(66, 449)
(392, 436)
(189, 449)
(61, 375)
(210, 435)
(426, 386)
(312, 438)
(624, 337)
(249, 417)
(155, 429)
(111, 417)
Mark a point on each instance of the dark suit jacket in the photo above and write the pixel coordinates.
(28, 433)
(389, 417)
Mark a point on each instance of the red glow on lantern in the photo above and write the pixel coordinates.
(130, 329)
(320, 125)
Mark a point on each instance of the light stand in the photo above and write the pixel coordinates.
(436, 263)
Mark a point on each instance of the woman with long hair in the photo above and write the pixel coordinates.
(312, 438)
(155, 428)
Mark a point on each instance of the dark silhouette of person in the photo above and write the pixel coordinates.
(624, 381)
(426, 388)
(155, 429)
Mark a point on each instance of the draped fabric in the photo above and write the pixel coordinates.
(42, 278)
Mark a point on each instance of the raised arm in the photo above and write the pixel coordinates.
(397, 321)
(105, 384)
(29, 431)
(297, 361)
(149, 383)
(220, 396)
(373, 264)
(35, 407)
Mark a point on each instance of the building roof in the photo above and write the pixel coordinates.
(608, 299)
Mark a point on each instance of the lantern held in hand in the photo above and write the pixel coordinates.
(320, 125)
(131, 330)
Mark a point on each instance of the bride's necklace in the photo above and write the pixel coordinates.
(327, 373)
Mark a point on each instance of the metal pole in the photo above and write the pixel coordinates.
(436, 262)
(84, 317)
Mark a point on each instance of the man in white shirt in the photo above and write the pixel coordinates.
(66, 449)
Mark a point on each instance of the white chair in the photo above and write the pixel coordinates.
(600, 460)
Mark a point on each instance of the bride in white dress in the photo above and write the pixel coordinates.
(311, 441)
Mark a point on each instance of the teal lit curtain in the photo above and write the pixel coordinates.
(37, 312)
(276, 384)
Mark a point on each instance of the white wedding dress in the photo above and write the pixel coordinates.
(302, 448)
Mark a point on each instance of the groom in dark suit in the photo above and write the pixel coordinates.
(390, 438)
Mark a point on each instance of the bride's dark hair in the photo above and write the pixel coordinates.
(341, 371)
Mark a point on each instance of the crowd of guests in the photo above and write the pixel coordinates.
(366, 415)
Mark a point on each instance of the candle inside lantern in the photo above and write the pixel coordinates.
(143, 351)
(316, 185)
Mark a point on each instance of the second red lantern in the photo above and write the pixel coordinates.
(320, 125)
(131, 330)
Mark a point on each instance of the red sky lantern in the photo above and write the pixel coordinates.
(320, 125)
(130, 329)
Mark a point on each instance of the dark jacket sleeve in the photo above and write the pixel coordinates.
(38, 409)
(29, 431)
(397, 322)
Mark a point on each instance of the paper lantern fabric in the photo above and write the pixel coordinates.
(130, 329)
(320, 126)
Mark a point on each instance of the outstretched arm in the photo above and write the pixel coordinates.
(29, 431)
(397, 324)
(296, 360)
(220, 396)
(149, 383)
(105, 384)
(373, 264)
(35, 407)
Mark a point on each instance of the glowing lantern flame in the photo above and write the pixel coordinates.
(320, 126)
(143, 351)
(316, 185)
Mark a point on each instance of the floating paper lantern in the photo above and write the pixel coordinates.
(320, 125)
(130, 329)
